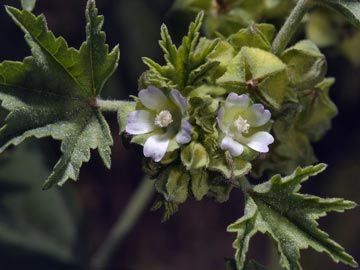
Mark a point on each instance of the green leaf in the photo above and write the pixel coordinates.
(289, 218)
(28, 5)
(349, 8)
(53, 93)
(187, 65)
(33, 222)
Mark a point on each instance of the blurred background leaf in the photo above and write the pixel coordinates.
(37, 225)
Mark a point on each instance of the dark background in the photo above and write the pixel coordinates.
(195, 238)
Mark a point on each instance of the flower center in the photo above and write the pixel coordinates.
(242, 125)
(163, 119)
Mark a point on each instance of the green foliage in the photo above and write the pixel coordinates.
(289, 218)
(53, 93)
(28, 5)
(349, 8)
(306, 65)
(39, 223)
(258, 73)
(186, 66)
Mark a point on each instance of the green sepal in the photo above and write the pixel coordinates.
(229, 167)
(306, 65)
(289, 218)
(199, 183)
(53, 93)
(122, 115)
(194, 156)
(318, 110)
(256, 36)
(349, 8)
(219, 189)
(259, 73)
(177, 185)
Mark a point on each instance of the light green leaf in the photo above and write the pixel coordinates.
(28, 5)
(34, 222)
(53, 93)
(349, 8)
(187, 65)
(289, 218)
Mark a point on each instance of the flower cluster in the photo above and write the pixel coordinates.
(164, 122)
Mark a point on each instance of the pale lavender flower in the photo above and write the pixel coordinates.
(236, 120)
(164, 116)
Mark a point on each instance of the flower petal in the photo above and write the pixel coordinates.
(184, 135)
(257, 115)
(260, 141)
(140, 122)
(153, 98)
(234, 147)
(155, 146)
(178, 100)
(237, 100)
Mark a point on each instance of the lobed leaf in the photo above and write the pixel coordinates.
(53, 92)
(289, 218)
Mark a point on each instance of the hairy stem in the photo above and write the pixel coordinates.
(124, 224)
(290, 26)
(109, 105)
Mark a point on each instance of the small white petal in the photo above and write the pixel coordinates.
(140, 122)
(237, 100)
(260, 141)
(219, 118)
(178, 100)
(234, 147)
(257, 115)
(155, 146)
(153, 98)
(184, 135)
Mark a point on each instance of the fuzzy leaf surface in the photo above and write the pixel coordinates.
(53, 92)
(289, 218)
(187, 65)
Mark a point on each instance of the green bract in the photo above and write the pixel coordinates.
(53, 93)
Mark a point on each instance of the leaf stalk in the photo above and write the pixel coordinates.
(124, 224)
(290, 26)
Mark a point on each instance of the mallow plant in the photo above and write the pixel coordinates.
(218, 113)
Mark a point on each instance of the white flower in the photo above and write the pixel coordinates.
(165, 116)
(237, 118)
